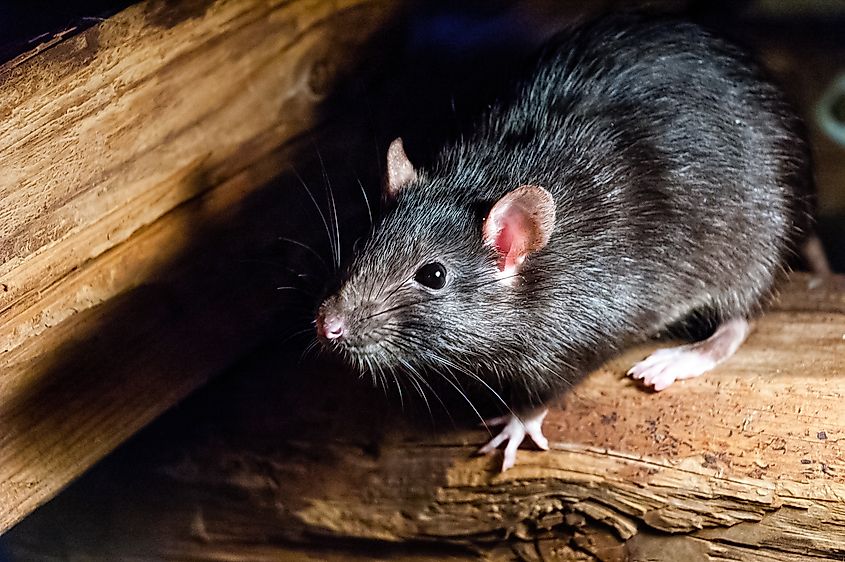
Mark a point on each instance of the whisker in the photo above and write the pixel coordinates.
(399, 390)
(366, 201)
(423, 380)
(310, 347)
(320, 211)
(414, 372)
(333, 206)
(382, 380)
(434, 357)
(468, 401)
(474, 376)
(412, 377)
(298, 274)
(295, 334)
(308, 248)
(291, 288)
(401, 306)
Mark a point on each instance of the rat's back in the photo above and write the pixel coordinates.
(680, 173)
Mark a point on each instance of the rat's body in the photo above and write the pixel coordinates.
(662, 176)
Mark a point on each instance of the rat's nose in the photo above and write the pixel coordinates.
(331, 327)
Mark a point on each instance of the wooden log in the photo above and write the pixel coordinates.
(744, 463)
(107, 131)
(128, 152)
(113, 311)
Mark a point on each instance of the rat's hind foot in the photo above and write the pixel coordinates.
(514, 431)
(665, 366)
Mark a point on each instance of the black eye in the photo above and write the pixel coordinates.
(432, 275)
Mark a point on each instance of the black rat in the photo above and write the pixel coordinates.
(645, 172)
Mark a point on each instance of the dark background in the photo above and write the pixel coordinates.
(455, 57)
(470, 32)
(24, 24)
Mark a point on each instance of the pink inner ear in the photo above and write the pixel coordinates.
(518, 224)
(505, 231)
(510, 241)
(504, 240)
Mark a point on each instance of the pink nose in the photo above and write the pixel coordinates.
(331, 327)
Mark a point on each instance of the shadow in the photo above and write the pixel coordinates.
(197, 312)
(24, 25)
(217, 298)
(431, 72)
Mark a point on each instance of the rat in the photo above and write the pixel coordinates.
(645, 172)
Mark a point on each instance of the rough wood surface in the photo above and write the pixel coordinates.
(105, 132)
(128, 151)
(745, 463)
(131, 286)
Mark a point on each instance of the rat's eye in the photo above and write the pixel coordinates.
(432, 275)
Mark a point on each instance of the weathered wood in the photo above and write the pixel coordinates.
(109, 130)
(132, 292)
(128, 150)
(745, 463)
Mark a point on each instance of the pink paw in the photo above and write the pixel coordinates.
(665, 366)
(514, 432)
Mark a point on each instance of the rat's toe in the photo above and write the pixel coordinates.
(514, 433)
(665, 366)
(494, 443)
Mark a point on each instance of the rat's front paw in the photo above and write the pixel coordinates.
(514, 431)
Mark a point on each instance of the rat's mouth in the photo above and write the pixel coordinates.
(363, 356)
(369, 349)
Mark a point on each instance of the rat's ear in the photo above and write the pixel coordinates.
(400, 171)
(519, 223)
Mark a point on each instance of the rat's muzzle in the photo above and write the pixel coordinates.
(331, 322)
(331, 327)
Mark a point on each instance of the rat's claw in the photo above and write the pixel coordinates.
(665, 366)
(514, 433)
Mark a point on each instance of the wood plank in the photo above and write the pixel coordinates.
(745, 463)
(107, 131)
(289, 462)
(133, 152)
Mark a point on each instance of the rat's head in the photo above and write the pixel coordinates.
(435, 283)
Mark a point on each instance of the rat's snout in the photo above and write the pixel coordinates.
(331, 327)
(347, 325)
(331, 323)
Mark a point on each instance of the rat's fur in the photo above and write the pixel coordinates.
(680, 177)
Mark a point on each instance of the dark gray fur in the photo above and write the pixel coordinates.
(681, 181)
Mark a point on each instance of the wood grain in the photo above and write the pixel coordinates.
(148, 161)
(107, 131)
(131, 153)
(296, 462)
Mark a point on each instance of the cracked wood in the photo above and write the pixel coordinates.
(745, 463)
(126, 149)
